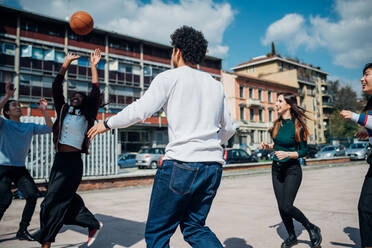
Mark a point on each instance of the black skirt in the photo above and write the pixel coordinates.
(61, 204)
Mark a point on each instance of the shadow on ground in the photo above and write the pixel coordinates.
(236, 243)
(354, 236)
(283, 234)
(116, 231)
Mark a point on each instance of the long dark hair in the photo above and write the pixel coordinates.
(369, 103)
(298, 115)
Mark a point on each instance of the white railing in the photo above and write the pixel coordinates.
(101, 161)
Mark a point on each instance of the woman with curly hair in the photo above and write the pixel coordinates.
(365, 200)
(290, 134)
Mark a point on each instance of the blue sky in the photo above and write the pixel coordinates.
(332, 34)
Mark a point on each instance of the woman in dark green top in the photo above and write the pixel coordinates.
(289, 135)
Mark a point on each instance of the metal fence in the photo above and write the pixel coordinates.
(101, 161)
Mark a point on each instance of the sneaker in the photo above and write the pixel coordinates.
(93, 234)
(315, 236)
(24, 235)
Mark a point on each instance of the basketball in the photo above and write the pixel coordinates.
(81, 23)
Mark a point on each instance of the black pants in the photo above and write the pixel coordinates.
(287, 179)
(61, 204)
(365, 210)
(23, 180)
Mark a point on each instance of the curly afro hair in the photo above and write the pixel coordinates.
(191, 42)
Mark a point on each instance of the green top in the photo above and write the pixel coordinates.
(285, 141)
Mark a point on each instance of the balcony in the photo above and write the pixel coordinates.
(253, 103)
(253, 124)
(306, 79)
(327, 105)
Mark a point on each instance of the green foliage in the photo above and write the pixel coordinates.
(344, 97)
(340, 128)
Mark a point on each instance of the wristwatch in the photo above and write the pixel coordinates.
(105, 123)
(288, 155)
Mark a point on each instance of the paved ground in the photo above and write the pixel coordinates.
(244, 214)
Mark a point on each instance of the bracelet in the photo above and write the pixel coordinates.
(105, 123)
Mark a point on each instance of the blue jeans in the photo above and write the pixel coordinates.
(182, 194)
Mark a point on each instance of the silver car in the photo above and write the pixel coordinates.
(149, 157)
(331, 151)
(357, 151)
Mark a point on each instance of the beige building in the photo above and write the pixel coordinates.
(251, 102)
(308, 79)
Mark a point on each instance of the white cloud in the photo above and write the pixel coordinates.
(348, 39)
(154, 21)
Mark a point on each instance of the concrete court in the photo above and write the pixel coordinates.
(244, 213)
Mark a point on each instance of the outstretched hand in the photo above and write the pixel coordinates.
(361, 135)
(71, 57)
(95, 57)
(97, 129)
(9, 91)
(43, 104)
(346, 114)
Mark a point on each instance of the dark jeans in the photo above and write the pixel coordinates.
(61, 204)
(182, 194)
(23, 180)
(365, 211)
(287, 179)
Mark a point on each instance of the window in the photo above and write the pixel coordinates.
(253, 68)
(241, 91)
(260, 94)
(270, 115)
(251, 114)
(269, 96)
(281, 66)
(250, 93)
(242, 113)
(260, 115)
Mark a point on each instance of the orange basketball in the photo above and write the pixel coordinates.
(81, 23)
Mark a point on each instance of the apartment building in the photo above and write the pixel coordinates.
(252, 105)
(307, 79)
(32, 50)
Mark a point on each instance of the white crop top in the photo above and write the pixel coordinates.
(74, 128)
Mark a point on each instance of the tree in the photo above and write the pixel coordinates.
(273, 48)
(344, 97)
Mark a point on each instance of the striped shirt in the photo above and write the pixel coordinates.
(366, 121)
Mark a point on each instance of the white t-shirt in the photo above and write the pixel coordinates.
(198, 116)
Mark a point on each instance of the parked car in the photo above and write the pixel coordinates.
(357, 151)
(127, 160)
(149, 157)
(237, 156)
(262, 154)
(331, 151)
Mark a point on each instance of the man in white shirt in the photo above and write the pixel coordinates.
(199, 123)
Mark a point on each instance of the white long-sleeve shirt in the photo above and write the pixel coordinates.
(198, 116)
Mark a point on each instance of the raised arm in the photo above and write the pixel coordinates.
(94, 95)
(57, 87)
(9, 92)
(43, 108)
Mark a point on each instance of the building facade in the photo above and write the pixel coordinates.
(308, 79)
(32, 50)
(252, 105)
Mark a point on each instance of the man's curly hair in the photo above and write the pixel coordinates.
(191, 42)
